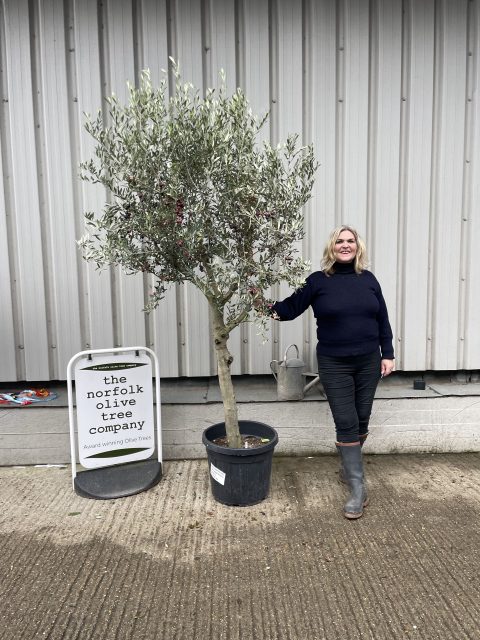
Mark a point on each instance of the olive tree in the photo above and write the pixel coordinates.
(195, 196)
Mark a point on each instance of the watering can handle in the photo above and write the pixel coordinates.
(286, 351)
(274, 362)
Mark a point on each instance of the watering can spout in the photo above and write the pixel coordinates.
(274, 367)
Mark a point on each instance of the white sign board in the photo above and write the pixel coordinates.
(114, 400)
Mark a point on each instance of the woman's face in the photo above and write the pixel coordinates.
(345, 248)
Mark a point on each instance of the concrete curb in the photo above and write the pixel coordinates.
(40, 435)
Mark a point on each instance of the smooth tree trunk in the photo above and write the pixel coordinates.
(224, 362)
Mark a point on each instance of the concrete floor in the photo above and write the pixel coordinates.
(172, 564)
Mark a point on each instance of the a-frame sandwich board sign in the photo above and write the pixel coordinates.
(116, 422)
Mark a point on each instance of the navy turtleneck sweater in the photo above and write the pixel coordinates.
(351, 314)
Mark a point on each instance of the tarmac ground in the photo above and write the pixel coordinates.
(172, 564)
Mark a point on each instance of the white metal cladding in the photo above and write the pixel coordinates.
(387, 92)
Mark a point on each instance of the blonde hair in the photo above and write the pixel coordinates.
(328, 260)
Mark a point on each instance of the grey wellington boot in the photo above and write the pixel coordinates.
(353, 467)
(341, 473)
(362, 439)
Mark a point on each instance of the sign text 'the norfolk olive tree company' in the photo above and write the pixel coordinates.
(114, 409)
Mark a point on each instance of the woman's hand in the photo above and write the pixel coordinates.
(262, 306)
(387, 367)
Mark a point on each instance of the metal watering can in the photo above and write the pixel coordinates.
(289, 376)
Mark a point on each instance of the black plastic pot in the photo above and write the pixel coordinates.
(240, 477)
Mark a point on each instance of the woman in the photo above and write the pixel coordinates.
(354, 347)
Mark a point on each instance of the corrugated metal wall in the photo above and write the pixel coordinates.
(387, 92)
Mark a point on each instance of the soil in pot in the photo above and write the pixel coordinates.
(248, 442)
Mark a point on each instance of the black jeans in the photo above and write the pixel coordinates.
(350, 383)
